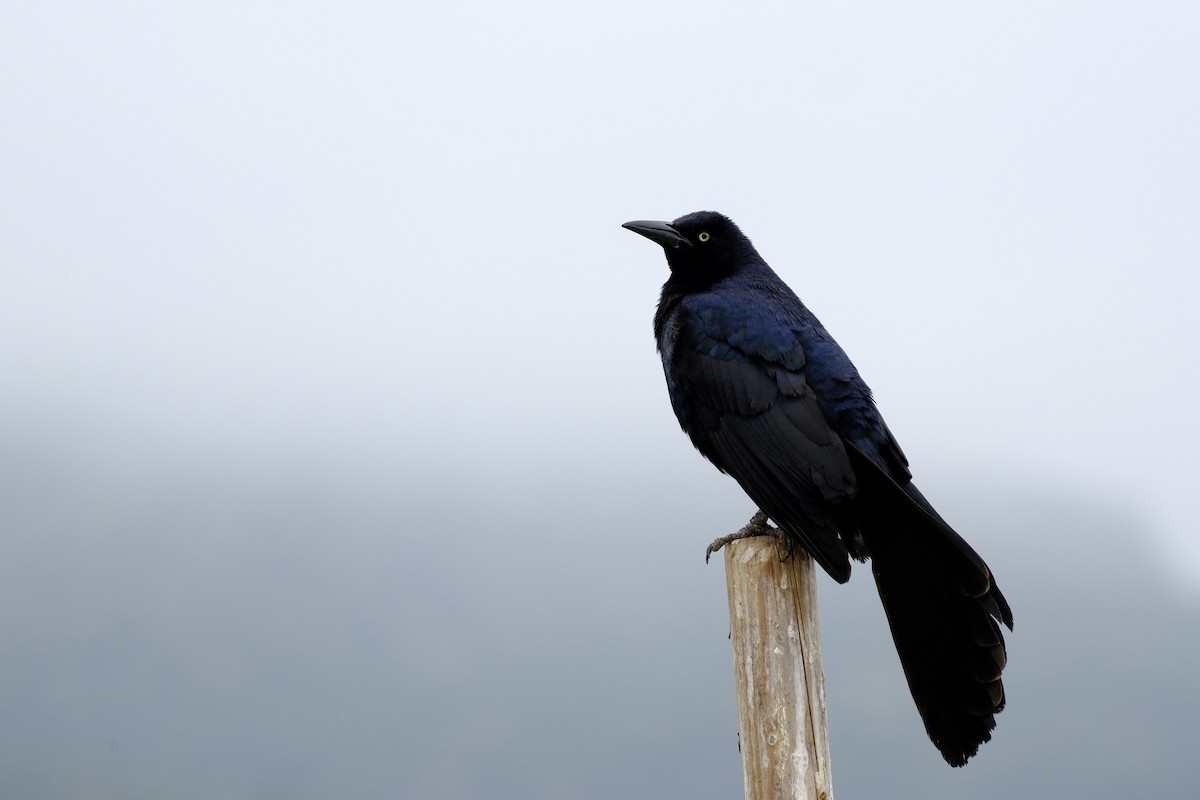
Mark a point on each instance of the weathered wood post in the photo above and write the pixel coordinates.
(777, 671)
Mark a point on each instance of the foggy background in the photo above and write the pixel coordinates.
(335, 459)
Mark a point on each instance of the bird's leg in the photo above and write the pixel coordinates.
(757, 526)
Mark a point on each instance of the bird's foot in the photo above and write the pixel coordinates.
(757, 526)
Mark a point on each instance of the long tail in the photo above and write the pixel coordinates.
(943, 608)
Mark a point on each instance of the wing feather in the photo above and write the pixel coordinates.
(759, 421)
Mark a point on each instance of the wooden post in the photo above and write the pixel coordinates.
(777, 671)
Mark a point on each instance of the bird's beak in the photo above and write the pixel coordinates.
(659, 232)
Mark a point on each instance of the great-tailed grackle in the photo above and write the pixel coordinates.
(769, 397)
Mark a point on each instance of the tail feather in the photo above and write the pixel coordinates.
(943, 608)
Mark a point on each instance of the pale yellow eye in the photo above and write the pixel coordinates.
(704, 237)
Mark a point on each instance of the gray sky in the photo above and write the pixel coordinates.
(327, 368)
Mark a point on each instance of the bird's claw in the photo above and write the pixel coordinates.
(757, 526)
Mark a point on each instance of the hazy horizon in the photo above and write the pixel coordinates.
(336, 455)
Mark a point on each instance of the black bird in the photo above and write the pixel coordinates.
(767, 395)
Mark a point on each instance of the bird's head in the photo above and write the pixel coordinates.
(703, 246)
